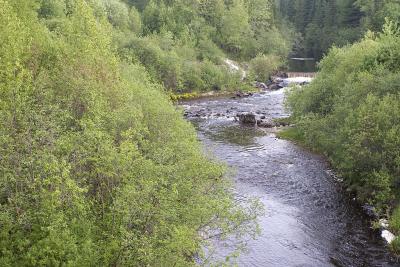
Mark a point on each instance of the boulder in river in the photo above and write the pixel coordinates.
(275, 86)
(266, 123)
(261, 86)
(241, 94)
(247, 118)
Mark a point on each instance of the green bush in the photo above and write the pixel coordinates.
(97, 167)
(263, 66)
(395, 246)
(191, 76)
(208, 50)
(213, 76)
(395, 221)
(351, 112)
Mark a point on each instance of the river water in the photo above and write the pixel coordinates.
(309, 219)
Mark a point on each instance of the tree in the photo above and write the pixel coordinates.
(97, 166)
(338, 23)
(235, 28)
(263, 66)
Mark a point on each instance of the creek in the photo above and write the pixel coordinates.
(309, 219)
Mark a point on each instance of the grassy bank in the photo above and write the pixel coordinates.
(293, 134)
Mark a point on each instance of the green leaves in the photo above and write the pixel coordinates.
(97, 167)
(324, 23)
(351, 112)
(263, 66)
(198, 34)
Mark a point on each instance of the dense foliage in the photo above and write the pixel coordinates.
(351, 112)
(339, 22)
(322, 23)
(183, 44)
(263, 66)
(97, 168)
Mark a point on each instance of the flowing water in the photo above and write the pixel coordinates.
(309, 219)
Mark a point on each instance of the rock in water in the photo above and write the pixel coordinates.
(275, 86)
(247, 118)
(266, 123)
(261, 86)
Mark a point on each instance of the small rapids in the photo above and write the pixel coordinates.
(309, 219)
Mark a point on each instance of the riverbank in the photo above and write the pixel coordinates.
(380, 223)
(278, 81)
(195, 95)
(293, 134)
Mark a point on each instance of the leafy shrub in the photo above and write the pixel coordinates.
(263, 66)
(395, 245)
(213, 76)
(395, 221)
(208, 50)
(351, 112)
(191, 77)
(97, 167)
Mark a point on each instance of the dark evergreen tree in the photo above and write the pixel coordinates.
(323, 23)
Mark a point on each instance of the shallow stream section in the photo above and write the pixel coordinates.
(309, 219)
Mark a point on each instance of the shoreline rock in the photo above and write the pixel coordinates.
(247, 118)
(259, 120)
(240, 94)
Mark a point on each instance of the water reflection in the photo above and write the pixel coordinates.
(234, 134)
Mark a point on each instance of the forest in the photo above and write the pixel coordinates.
(183, 44)
(323, 23)
(99, 168)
